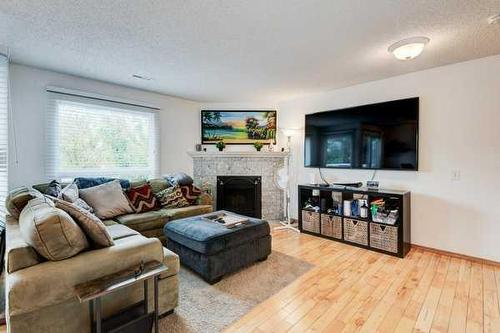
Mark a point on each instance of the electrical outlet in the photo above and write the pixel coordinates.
(455, 175)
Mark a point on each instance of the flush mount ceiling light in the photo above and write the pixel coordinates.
(409, 48)
(142, 77)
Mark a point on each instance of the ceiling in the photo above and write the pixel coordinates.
(243, 50)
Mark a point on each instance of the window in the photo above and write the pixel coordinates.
(89, 137)
(4, 112)
(338, 150)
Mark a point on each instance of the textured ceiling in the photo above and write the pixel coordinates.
(243, 50)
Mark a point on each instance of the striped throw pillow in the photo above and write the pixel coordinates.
(142, 198)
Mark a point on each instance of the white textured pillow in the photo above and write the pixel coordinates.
(108, 200)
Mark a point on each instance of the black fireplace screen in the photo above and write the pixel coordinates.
(240, 194)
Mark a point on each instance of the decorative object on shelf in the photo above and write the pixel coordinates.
(238, 126)
(220, 145)
(372, 184)
(270, 147)
(347, 207)
(258, 145)
(363, 209)
(197, 147)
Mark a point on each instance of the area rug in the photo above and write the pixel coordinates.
(212, 308)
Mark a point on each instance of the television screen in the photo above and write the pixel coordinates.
(375, 136)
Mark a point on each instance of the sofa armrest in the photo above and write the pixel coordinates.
(53, 282)
(19, 254)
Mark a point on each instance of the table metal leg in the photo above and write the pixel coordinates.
(91, 314)
(146, 298)
(98, 315)
(155, 279)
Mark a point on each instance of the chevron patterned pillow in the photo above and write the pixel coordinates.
(142, 198)
(191, 193)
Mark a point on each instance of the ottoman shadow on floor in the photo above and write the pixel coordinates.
(212, 250)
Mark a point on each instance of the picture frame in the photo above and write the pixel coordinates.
(238, 127)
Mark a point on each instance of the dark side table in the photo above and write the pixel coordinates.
(93, 290)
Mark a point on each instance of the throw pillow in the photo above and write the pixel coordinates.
(54, 189)
(71, 194)
(18, 198)
(108, 200)
(142, 198)
(86, 182)
(91, 224)
(50, 230)
(158, 184)
(172, 198)
(191, 193)
(179, 178)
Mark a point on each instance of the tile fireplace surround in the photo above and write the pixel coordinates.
(208, 165)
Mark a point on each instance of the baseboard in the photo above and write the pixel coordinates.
(457, 255)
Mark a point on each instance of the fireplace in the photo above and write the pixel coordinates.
(240, 194)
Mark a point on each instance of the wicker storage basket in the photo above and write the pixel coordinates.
(331, 226)
(356, 231)
(384, 237)
(310, 221)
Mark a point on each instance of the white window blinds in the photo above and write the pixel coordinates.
(89, 137)
(4, 112)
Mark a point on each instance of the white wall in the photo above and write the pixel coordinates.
(459, 129)
(179, 121)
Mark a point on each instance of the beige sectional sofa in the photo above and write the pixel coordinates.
(39, 293)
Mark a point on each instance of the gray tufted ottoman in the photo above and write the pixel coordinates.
(212, 250)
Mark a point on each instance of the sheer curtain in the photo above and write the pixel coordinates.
(4, 112)
(94, 137)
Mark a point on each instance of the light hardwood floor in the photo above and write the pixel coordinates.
(355, 290)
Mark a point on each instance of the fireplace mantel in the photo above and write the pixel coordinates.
(250, 154)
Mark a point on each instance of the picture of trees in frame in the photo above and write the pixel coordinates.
(238, 127)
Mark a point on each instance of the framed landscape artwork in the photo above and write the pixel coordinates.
(238, 127)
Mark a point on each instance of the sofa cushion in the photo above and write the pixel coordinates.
(158, 184)
(209, 237)
(50, 230)
(183, 212)
(137, 183)
(171, 260)
(179, 178)
(19, 254)
(90, 224)
(204, 199)
(53, 282)
(18, 198)
(118, 231)
(144, 221)
(86, 182)
(108, 200)
(142, 198)
(172, 198)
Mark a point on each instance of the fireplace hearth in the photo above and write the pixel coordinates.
(240, 194)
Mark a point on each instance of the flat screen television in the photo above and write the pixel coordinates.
(376, 136)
